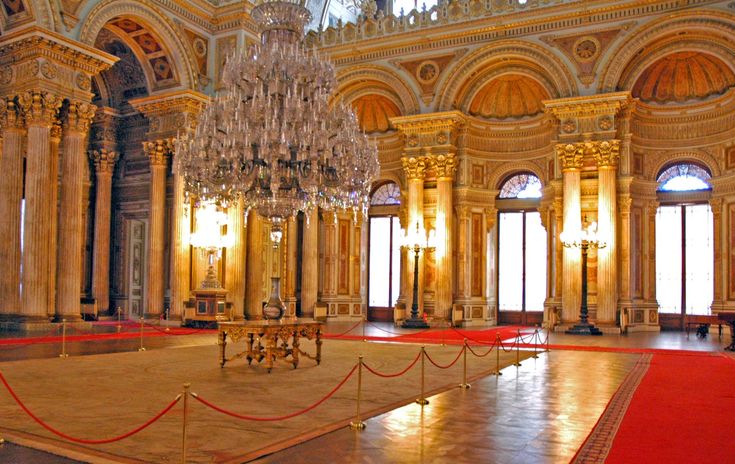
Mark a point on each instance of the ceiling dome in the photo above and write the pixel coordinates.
(683, 76)
(509, 96)
(373, 112)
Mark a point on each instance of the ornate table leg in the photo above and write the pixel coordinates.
(318, 346)
(222, 343)
(270, 351)
(295, 349)
(249, 344)
(731, 346)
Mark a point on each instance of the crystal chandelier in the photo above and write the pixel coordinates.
(274, 137)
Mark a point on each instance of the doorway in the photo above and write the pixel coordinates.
(137, 265)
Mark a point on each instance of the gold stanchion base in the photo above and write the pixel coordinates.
(422, 401)
(118, 328)
(517, 364)
(168, 329)
(63, 355)
(2, 441)
(358, 425)
(464, 386)
(141, 349)
(496, 373)
(535, 356)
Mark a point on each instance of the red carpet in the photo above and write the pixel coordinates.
(447, 336)
(129, 331)
(683, 411)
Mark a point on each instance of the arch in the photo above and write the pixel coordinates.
(466, 77)
(508, 170)
(362, 80)
(666, 159)
(147, 13)
(520, 181)
(389, 195)
(508, 96)
(706, 31)
(374, 112)
(679, 172)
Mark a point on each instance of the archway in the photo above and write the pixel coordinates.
(384, 262)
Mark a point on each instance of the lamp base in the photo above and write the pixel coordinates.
(584, 329)
(417, 323)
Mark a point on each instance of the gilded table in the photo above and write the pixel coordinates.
(270, 340)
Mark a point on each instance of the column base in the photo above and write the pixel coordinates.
(583, 329)
(417, 323)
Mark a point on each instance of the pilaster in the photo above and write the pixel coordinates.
(310, 263)
(104, 164)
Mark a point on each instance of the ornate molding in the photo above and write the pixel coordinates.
(104, 161)
(444, 166)
(589, 114)
(40, 108)
(606, 153)
(10, 116)
(170, 113)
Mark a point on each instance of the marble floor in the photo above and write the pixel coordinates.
(540, 412)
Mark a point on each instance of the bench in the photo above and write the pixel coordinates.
(700, 320)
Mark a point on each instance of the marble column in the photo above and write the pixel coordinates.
(104, 166)
(310, 263)
(570, 156)
(236, 256)
(415, 170)
(289, 265)
(256, 268)
(180, 268)
(11, 195)
(158, 152)
(445, 166)
(53, 217)
(70, 234)
(41, 110)
(607, 154)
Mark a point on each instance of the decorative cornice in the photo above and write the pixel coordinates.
(586, 106)
(104, 161)
(429, 122)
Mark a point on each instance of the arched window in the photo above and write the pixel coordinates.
(385, 253)
(522, 250)
(684, 244)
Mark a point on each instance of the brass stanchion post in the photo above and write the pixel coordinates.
(119, 325)
(464, 383)
(358, 424)
(537, 338)
(548, 337)
(422, 400)
(364, 321)
(63, 340)
(497, 355)
(183, 428)
(141, 335)
(518, 349)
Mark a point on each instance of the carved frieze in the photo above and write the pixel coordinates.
(581, 116)
(170, 113)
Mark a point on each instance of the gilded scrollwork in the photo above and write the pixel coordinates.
(444, 165)
(414, 167)
(570, 155)
(40, 108)
(104, 160)
(158, 151)
(606, 153)
(79, 117)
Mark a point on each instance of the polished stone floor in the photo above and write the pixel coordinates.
(539, 412)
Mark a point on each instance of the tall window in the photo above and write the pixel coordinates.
(684, 245)
(385, 253)
(521, 246)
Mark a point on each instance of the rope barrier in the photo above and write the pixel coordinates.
(277, 418)
(490, 350)
(343, 333)
(448, 365)
(398, 333)
(168, 332)
(386, 376)
(83, 440)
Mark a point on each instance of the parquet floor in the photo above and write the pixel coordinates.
(540, 412)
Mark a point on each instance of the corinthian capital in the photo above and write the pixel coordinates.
(40, 108)
(570, 155)
(414, 167)
(79, 117)
(445, 166)
(158, 151)
(607, 153)
(104, 161)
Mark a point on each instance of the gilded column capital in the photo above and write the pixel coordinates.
(445, 166)
(491, 215)
(570, 155)
(158, 151)
(40, 108)
(79, 117)
(606, 153)
(104, 160)
(56, 131)
(716, 206)
(463, 212)
(414, 167)
(624, 203)
(10, 115)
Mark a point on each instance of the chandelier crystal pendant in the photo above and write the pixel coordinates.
(274, 137)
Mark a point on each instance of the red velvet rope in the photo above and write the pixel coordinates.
(278, 418)
(191, 332)
(490, 350)
(82, 440)
(413, 363)
(329, 335)
(448, 365)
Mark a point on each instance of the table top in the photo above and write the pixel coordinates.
(263, 323)
(727, 316)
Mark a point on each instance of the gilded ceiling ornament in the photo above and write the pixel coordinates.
(49, 70)
(569, 126)
(6, 75)
(605, 123)
(570, 155)
(83, 81)
(445, 166)
(414, 167)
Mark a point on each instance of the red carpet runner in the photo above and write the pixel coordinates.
(450, 336)
(682, 411)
